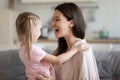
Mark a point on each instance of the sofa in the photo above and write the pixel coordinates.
(11, 67)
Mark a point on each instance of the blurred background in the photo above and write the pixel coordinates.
(102, 22)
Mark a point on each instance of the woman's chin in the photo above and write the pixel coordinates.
(57, 36)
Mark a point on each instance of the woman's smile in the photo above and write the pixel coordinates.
(57, 31)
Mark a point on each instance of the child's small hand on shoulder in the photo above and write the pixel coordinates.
(83, 47)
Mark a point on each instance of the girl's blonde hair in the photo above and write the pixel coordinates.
(24, 24)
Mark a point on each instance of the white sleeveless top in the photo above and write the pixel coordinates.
(82, 66)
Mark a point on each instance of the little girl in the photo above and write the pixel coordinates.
(28, 27)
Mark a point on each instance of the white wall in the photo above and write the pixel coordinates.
(5, 27)
(107, 14)
(45, 11)
(3, 3)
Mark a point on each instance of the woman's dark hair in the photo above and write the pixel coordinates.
(72, 12)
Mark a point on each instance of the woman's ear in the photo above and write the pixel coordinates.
(72, 23)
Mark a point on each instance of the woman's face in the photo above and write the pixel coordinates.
(37, 31)
(60, 24)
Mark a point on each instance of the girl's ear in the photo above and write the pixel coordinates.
(72, 23)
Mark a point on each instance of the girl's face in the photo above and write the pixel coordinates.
(37, 31)
(61, 25)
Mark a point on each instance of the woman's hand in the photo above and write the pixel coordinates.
(44, 76)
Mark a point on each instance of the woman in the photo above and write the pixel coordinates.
(69, 26)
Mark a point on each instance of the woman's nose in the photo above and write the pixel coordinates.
(52, 23)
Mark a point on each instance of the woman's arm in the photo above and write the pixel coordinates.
(64, 56)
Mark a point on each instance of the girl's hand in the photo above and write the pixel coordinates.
(83, 47)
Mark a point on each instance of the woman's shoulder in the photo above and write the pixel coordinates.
(83, 42)
(80, 41)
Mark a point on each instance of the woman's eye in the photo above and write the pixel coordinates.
(57, 19)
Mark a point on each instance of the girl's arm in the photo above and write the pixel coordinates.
(64, 56)
(61, 58)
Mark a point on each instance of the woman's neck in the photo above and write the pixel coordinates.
(70, 40)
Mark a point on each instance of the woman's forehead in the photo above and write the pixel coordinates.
(57, 13)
